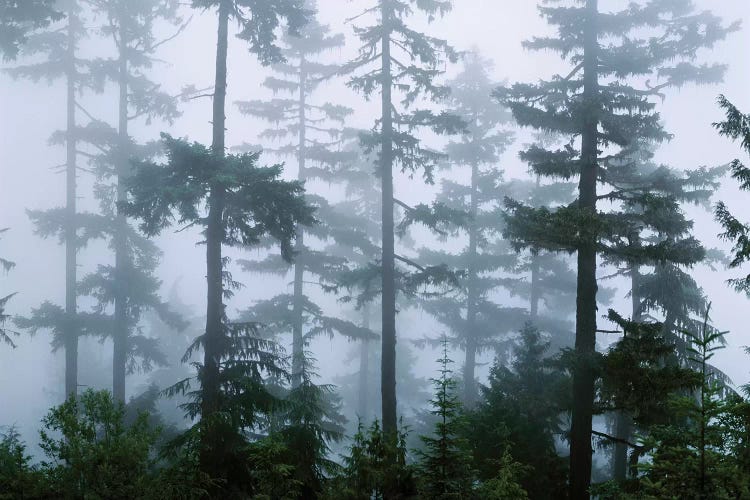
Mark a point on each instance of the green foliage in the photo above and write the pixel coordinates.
(91, 453)
(736, 127)
(257, 202)
(444, 469)
(5, 334)
(259, 20)
(696, 452)
(18, 477)
(374, 468)
(520, 411)
(505, 485)
(17, 18)
(641, 373)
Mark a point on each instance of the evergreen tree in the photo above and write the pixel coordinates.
(640, 373)
(312, 133)
(600, 103)
(312, 421)
(736, 126)
(255, 204)
(5, 335)
(129, 285)
(445, 461)
(245, 203)
(472, 317)
(59, 45)
(394, 58)
(17, 19)
(692, 454)
(658, 195)
(519, 413)
(375, 467)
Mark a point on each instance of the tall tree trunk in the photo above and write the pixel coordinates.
(298, 345)
(585, 343)
(623, 420)
(388, 357)
(535, 294)
(71, 233)
(364, 368)
(214, 336)
(119, 355)
(470, 385)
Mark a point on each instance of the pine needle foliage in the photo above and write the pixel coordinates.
(606, 111)
(694, 454)
(18, 18)
(444, 462)
(403, 64)
(736, 126)
(369, 470)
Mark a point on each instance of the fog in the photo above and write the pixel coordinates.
(30, 178)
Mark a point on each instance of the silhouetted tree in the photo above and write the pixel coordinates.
(445, 462)
(59, 46)
(129, 285)
(599, 102)
(736, 126)
(394, 58)
(473, 319)
(313, 133)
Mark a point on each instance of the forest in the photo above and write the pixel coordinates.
(374, 249)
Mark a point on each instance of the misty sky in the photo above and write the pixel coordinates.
(496, 27)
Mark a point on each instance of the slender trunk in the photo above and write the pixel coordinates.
(364, 368)
(585, 343)
(388, 357)
(120, 337)
(470, 385)
(703, 421)
(535, 291)
(211, 449)
(623, 419)
(298, 345)
(71, 236)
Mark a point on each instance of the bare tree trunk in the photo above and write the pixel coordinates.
(623, 420)
(210, 453)
(535, 295)
(585, 343)
(470, 384)
(364, 368)
(298, 345)
(121, 333)
(71, 233)
(388, 358)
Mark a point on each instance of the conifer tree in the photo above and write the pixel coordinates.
(399, 60)
(519, 414)
(472, 317)
(17, 19)
(445, 461)
(601, 107)
(313, 134)
(129, 285)
(691, 453)
(245, 203)
(5, 335)
(658, 194)
(59, 45)
(736, 127)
